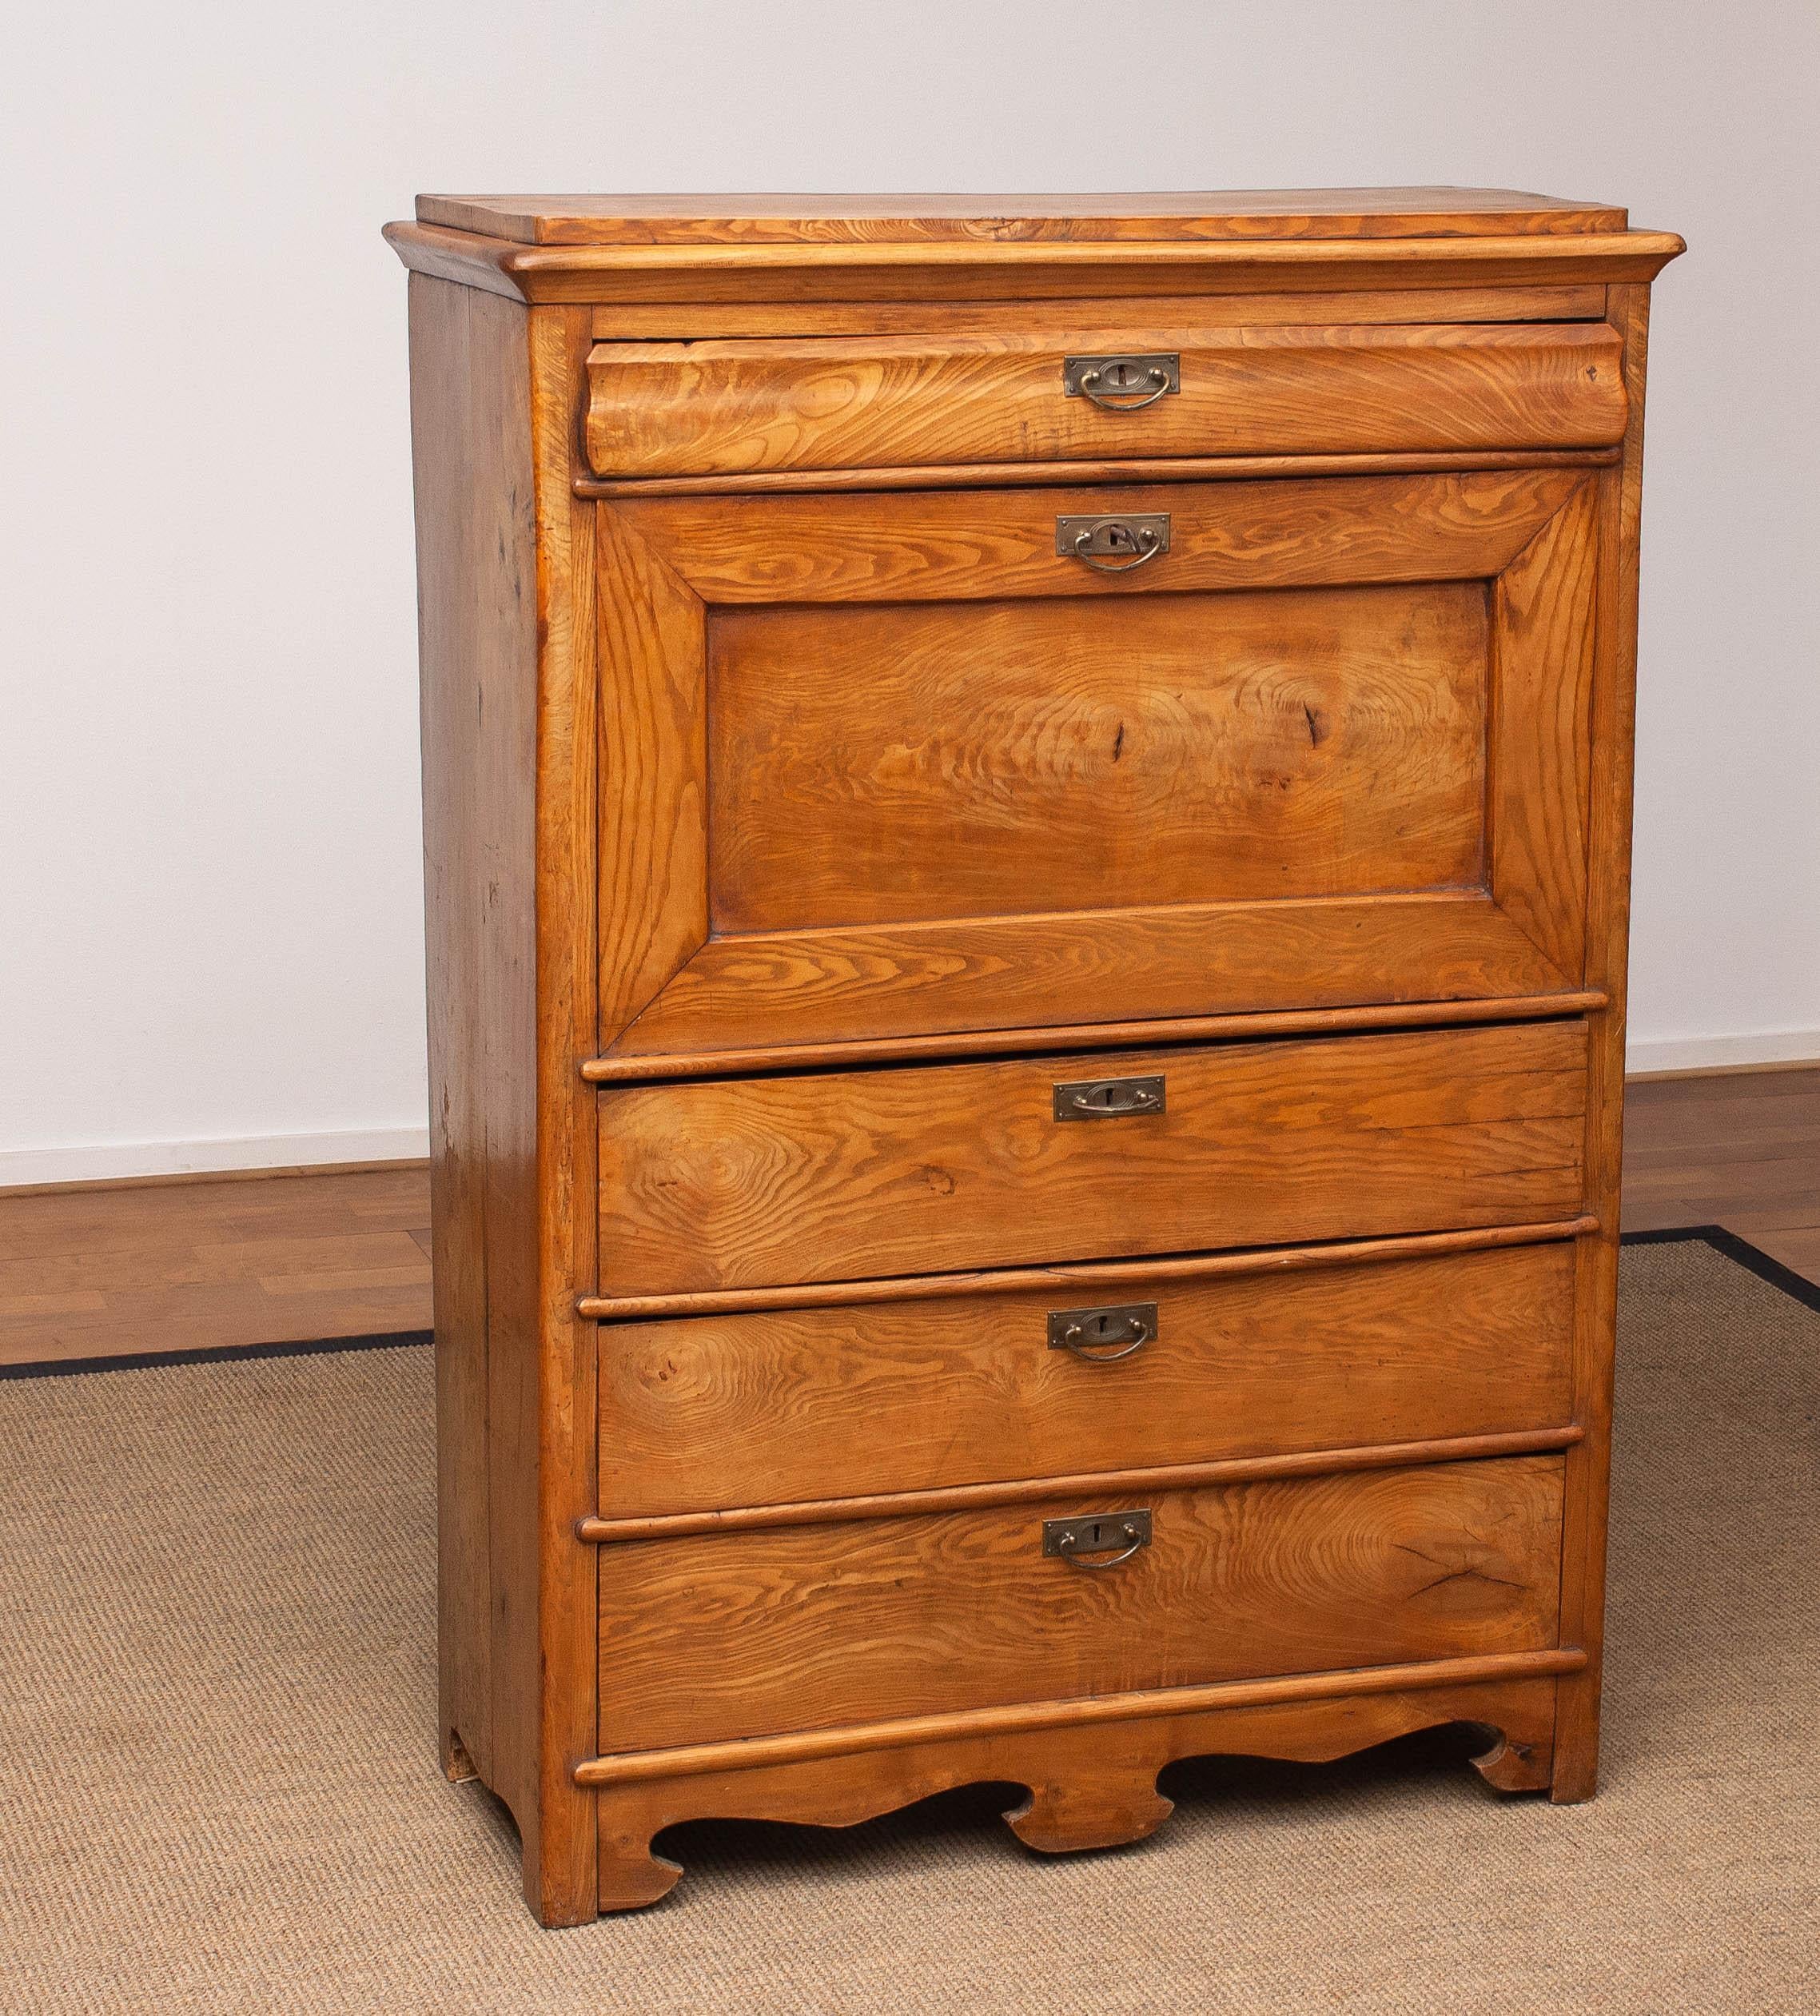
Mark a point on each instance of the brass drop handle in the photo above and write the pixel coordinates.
(1102, 1336)
(1088, 1542)
(1104, 389)
(1122, 385)
(1117, 544)
(1108, 1099)
(1147, 549)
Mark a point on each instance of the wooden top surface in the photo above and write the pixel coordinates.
(863, 220)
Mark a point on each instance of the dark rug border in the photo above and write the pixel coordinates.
(1753, 1259)
(220, 1354)
(1726, 1244)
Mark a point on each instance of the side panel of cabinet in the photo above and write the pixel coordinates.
(1614, 735)
(470, 434)
(508, 727)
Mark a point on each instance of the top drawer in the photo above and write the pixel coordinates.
(741, 408)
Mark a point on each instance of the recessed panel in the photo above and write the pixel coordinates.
(890, 764)
(885, 764)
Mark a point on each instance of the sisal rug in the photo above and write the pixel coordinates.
(218, 1789)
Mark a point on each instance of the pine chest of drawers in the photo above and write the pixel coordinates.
(1027, 816)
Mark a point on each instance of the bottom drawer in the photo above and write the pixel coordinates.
(745, 1634)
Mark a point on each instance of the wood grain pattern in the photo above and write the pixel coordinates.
(1113, 1276)
(808, 1404)
(1194, 960)
(477, 554)
(812, 1627)
(774, 219)
(1317, 531)
(1073, 1036)
(893, 970)
(741, 407)
(896, 1171)
(1091, 1783)
(1540, 731)
(634, 321)
(876, 764)
(1575, 1773)
(561, 1880)
(936, 274)
(1148, 468)
(783, 802)
(652, 867)
(1512, 1697)
(1104, 1712)
(511, 932)
(1142, 1481)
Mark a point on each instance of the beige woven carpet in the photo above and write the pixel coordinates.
(218, 1789)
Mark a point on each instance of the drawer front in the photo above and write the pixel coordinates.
(808, 1628)
(851, 1175)
(708, 1413)
(896, 765)
(743, 407)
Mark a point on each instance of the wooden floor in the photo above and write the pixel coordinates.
(198, 1265)
(1740, 1149)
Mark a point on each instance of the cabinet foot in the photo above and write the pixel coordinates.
(1513, 1765)
(1090, 1813)
(631, 1876)
(1575, 1778)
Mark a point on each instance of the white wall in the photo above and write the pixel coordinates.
(211, 946)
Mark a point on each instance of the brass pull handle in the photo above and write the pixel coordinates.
(1110, 1098)
(1078, 1541)
(1122, 385)
(1114, 545)
(1103, 1336)
(1148, 550)
(1116, 397)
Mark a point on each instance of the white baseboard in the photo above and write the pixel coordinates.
(141, 1158)
(1722, 1053)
